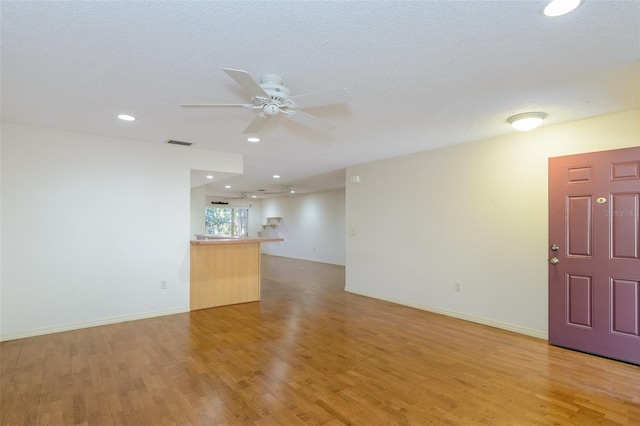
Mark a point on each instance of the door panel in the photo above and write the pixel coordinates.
(621, 171)
(624, 307)
(579, 226)
(624, 226)
(594, 286)
(579, 309)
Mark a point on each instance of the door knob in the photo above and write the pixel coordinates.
(554, 260)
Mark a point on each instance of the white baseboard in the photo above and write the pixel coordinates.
(104, 321)
(472, 318)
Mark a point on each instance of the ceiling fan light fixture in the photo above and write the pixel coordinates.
(560, 7)
(253, 139)
(526, 121)
(271, 109)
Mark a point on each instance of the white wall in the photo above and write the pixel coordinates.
(313, 226)
(473, 213)
(90, 225)
(198, 205)
(1, 225)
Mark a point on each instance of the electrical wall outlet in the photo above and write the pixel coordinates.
(163, 284)
(457, 286)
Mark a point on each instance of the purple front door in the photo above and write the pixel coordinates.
(594, 253)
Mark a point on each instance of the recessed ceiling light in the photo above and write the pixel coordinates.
(292, 192)
(276, 176)
(560, 7)
(126, 117)
(253, 139)
(209, 177)
(527, 121)
(253, 196)
(227, 186)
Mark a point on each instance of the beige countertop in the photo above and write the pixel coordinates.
(235, 241)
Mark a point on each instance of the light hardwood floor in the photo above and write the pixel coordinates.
(309, 354)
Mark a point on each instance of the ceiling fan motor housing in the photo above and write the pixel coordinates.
(272, 84)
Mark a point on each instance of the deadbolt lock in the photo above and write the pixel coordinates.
(554, 247)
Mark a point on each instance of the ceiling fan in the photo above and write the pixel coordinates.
(242, 196)
(285, 191)
(272, 98)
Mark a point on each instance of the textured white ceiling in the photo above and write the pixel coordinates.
(423, 74)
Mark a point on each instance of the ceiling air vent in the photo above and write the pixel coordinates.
(175, 142)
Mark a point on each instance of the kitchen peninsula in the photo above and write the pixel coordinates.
(225, 271)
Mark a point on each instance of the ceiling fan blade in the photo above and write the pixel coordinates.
(312, 122)
(256, 125)
(217, 105)
(245, 80)
(330, 97)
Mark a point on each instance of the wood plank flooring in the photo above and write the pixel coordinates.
(308, 354)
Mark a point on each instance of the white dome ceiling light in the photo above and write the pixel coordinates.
(560, 7)
(526, 121)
